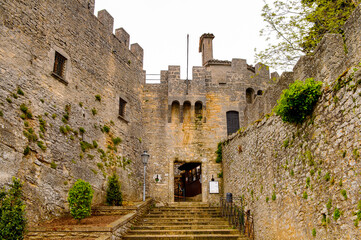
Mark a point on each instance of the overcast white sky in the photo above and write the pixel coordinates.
(161, 28)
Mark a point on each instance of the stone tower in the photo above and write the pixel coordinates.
(206, 48)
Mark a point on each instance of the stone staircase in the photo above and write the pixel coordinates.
(184, 221)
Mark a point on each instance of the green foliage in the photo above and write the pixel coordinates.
(95, 144)
(219, 152)
(267, 199)
(116, 140)
(344, 193)
(358, 214)
(314, 232)
(26, 151)
(98, 97)
(105, 128)
(295, 27)
(327, 177)
(1, 113)
(53, 165)
(63, 130)
(336, 214)
(81, 130)
(305, 196)
(94, 111)
(220, 175)
(41, 145)
(312, 172)
(297, 102)
(30, 134)
(42, 124)
(12, 212)
(274, 196)
(286, 143)
(292, 173)
(14, 95)
(80, 198)
(308, 180)
(9, 100)
(20, 92)
(54, 115)
(114, 195)
(26, 111)
(85, 145)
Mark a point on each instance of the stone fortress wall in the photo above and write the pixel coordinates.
(98, 62)
(185, 120)
(303, 182)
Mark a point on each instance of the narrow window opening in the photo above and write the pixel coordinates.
(198, 110)
(249, 95)
(175, 110)
(122, 104)
(232, 122)
(59, 65)
(187, 112)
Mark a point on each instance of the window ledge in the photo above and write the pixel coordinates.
(62, 80)
(123, 119)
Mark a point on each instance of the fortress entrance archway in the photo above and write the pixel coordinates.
(187, 182)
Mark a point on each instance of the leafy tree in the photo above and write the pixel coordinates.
(295, 27)
(80, 199)
(297, 102)
(12, 212)
(114, 195)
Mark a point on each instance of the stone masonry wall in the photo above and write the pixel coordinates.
(192, 139)
(45, 150)
(303, 181)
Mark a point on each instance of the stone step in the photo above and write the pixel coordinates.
(184, 220)
(148, 222)
(183, 226)
(183, 215)
(184, 232)
(188, 237)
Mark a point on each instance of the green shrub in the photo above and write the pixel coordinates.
(12, 212)
(81, 130)
(105, 128)
(98, 97)
(94, 111)
(114, 195)
(336, 214)
(220, 175)
(314, 232)
(344, 193)
(20, 92)
(273, 196)
(116, 140)
(219, 153)
(80, 198)
(297, 102)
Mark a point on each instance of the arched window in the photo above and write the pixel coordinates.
(186, 112)
(232, 122)
(175, 112)
(249, 95)
(198, 109)
(259, 92)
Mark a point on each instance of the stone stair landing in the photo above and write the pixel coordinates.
(184, 221)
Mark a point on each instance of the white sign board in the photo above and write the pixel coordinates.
(213, 187)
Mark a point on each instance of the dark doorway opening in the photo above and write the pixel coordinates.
(187, 182)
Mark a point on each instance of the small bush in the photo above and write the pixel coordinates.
(20, 92)
(336, 214)
(94, 111)
(327, 177)
(114, 195)
(297, 102)
(219, 153)
(12, 212)
(95, 144)
(26, 151)
(314, 232)
(116, 140)
(98, 97)
(105, 128)
(1, 113)
(344, 193)
(80, 198)
(85, 145)
(81, 130)
(305, 196)
(273, 196)
(220, 175)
